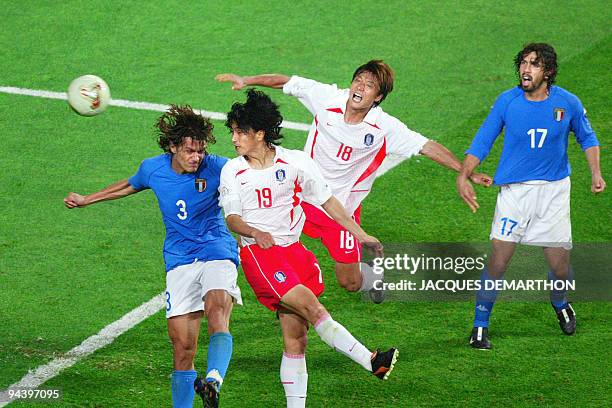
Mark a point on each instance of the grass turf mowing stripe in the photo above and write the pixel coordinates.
(103, 338)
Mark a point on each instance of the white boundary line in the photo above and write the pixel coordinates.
(158, 107)
(35, 378)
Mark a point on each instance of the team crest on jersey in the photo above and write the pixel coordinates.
(280, 276)
(200, 184)
(368, 139)
(559, 114)
(280, 175)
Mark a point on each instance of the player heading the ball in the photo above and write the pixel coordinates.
(199, 252)
(262, 192)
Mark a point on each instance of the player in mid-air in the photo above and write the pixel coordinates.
(349, 138)
(261, 194)
(199, 252)
(533, 204)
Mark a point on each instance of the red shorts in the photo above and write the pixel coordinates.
(341, 244)
(274, 271)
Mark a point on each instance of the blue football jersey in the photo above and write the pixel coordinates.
(195, 228)
(536, 135)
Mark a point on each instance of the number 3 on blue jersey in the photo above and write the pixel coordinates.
(507, 220)
(182, 207)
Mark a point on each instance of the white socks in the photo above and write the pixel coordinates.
(294, 378)
(337, 337)
(368, 277)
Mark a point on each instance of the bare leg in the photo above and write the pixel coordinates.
(558, 260)
(501, 254)
(218, 308)
(349, 276)
(184, 331)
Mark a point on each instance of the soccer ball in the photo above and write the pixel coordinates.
(88, 95)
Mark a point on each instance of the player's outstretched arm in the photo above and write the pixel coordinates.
(464, 187)
(598, 184)
(267, 80)
(337, 211)
(236, 224)
(440, 154)
(117, 190)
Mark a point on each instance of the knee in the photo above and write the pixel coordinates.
(315, 312)
(217, 317)
(560, 270)
(184, 353)
(296, 345)
(349, 277)
(497, 268)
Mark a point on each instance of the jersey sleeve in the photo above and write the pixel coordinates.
(140, 180)
(229, 191)
(489, 130)
(310, 93)
(401, 140)
(315, 189)
(585, 135)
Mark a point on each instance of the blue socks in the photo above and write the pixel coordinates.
(182, 388)
(219, 355)
(559, 297)
(485, 299)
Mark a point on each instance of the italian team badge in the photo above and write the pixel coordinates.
(200, 184)
(559, 113)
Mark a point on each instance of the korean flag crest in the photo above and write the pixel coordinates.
(280, 175)
(200, 184)
(368, 139)
(280, 276)
(559, 113)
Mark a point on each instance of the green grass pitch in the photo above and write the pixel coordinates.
(64, 275)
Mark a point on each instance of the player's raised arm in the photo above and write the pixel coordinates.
(335, 209)
(267, 80)
(464, 187)
(116, 190)
(598, 184)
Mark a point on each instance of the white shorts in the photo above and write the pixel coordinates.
(186, 285)
(534, 213)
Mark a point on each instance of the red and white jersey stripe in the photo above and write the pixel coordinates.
(349, 155)
(269, 199)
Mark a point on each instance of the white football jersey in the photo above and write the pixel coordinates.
(349, 155)
(269, 199)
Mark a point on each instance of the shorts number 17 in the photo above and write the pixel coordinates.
(507, 220)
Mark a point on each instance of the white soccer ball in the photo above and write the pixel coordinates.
(88, 95)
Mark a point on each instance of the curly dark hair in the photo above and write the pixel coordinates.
(383, 74)
(545, 54)
(180, 122)
(259, 112)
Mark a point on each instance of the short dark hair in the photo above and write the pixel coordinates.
(382, 72)
(181, 122)
(545, 54)
(259, 112)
